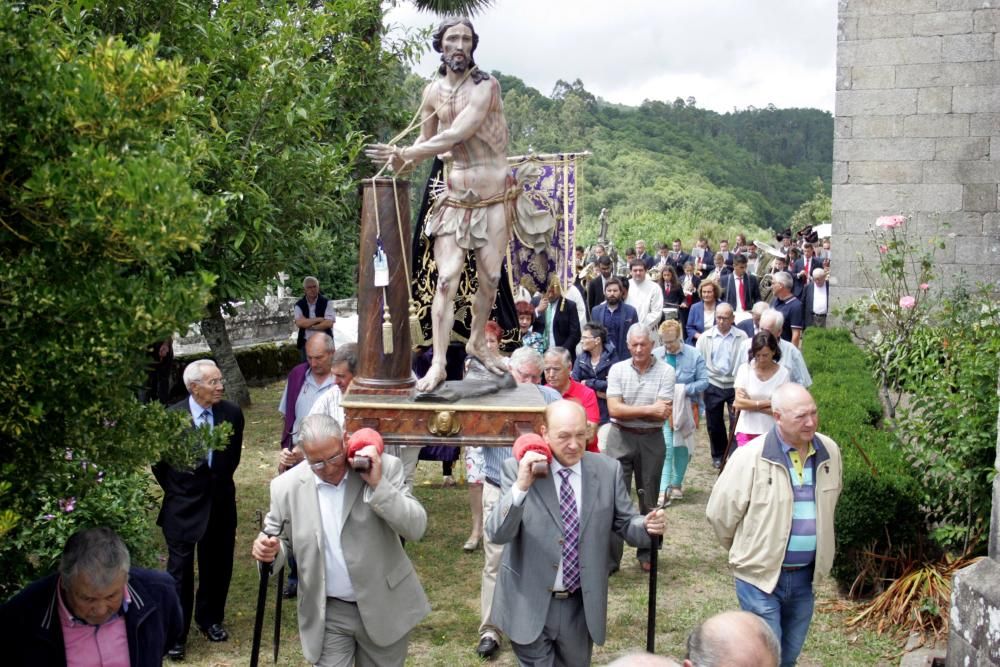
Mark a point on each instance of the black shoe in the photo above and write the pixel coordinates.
(716, 463)
(291, 590)
(176, 652)
(487, 647)
(215, 633)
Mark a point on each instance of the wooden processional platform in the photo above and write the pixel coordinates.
(495, 420)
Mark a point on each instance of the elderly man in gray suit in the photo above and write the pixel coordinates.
(359, 595)
(552, 592)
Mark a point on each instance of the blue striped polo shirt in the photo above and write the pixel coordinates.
(801, 549)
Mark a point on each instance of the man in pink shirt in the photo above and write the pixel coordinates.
(96, 610)
(558, 365)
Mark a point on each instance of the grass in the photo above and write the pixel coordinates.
(693, 579)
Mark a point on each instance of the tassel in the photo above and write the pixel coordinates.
(386, 333)
(416, 332)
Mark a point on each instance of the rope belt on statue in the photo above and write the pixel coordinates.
(501, 198)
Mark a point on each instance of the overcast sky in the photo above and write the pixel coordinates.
(724, 53)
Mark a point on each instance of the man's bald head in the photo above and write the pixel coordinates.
(733, 639)
(565, 431)
(560, 412)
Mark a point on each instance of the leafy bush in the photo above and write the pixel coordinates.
(940, 350)
(878, 511)
(948, 428)
(96, 205)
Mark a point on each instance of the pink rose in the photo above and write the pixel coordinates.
(907, 302)
(883, 249)
(924, 286)
(890, 221)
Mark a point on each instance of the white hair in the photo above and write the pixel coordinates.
(817, 272)
(638, 329)
(319, 427)
(723, 307)
(195, 371)
(784, 278)
(772, 319)
(309, 280)
(523, 356)
(759, 308)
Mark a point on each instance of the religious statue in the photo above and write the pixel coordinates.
(462, 121)
(602, 236)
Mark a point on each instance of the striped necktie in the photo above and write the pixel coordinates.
(571, 533)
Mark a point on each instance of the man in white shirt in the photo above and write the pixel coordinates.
(359, 594)
(644, 295)
(816, 299)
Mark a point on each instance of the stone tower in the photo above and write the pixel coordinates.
(917, 131)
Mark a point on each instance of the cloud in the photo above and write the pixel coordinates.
(725, 53)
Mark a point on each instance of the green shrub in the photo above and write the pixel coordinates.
(878, 511)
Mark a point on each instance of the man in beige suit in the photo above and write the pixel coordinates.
(359, 595)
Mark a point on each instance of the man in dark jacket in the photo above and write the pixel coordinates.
(95, 607)
(199, 508)
(313, 314)
(556, 318)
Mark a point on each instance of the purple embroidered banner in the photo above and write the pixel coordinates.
(557, 180)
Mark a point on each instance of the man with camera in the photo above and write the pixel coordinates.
(359, 595)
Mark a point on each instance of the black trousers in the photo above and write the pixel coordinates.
(716, 402)
(215, 570)
(640, 455)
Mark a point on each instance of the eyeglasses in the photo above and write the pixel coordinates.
(319, 465)
(214, 382)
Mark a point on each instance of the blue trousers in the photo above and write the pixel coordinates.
(787, 610)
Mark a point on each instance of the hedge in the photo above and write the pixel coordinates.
(260, 364)
(879, 508)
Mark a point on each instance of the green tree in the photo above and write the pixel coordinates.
(96, 206)
(814, 211)
(287, 94)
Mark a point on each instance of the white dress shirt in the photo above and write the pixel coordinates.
(331, 511)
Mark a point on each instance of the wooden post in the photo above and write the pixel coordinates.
(385, 214)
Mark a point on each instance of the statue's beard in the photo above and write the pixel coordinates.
(456, 65)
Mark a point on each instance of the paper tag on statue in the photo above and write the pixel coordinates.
(381, 269)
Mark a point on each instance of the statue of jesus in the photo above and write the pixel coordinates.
(462, 121)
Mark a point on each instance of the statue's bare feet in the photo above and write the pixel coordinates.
(435, 376)
(490, 359)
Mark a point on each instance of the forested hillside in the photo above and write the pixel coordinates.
(672, 169)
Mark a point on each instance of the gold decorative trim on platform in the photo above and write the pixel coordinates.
(444, 424)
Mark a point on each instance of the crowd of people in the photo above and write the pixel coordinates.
(628, 371)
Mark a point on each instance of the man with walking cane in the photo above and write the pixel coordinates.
(346, 506)
(559, 507)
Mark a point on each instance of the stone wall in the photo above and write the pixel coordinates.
(917, 131)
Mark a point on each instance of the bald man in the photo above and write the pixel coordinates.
(552, 590)
(780, 534)
(733, 639)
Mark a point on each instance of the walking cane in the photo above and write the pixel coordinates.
(654, 550)
(258, 622)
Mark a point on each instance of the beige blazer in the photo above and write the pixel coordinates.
(390, 598)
